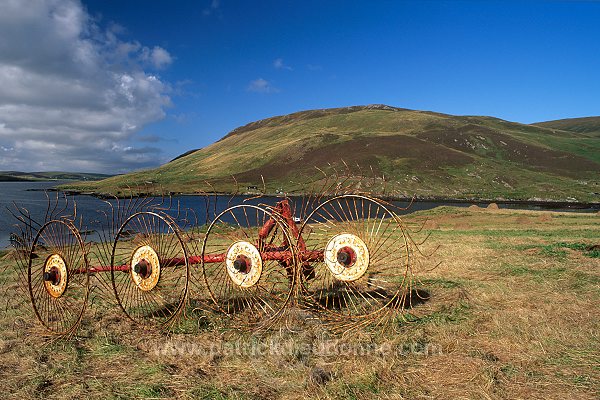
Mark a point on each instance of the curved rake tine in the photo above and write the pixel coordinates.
(408, 206)
(21, 219)
(235, 192)
(194, 221)
(422, 226)
(55, 206)
(48, 205)
(74, 209)
(61, 212)
(422, 241)
(434, 267)
(214, 192)
(206, 198)
(25, 213)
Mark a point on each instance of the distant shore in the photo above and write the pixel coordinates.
(543, 203)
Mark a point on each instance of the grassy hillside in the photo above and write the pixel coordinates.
(423, 153)
(17, 176)
(588, 125)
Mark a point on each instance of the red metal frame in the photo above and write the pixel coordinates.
(282, 253)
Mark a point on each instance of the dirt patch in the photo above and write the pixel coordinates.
(545, 218)
(474, 207)
(523, 220)
(319, 376)
(462, 226)
(431, 224)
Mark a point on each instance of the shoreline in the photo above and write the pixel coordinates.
(544, 203)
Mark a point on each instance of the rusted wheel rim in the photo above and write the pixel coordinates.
(366, 259)
(254, 291)
(149, 269)
(58, 277)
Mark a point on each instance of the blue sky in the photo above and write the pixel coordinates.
(215, 65)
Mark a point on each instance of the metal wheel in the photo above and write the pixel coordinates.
(58, 277)
(149, 269)
(363, 273)
(248, 264)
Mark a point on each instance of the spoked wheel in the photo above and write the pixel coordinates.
(363, 273)
(149, 269)
(58, 277)
(248, 265)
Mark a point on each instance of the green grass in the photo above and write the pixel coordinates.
(446, 315)
(108, 348)
(153, 391)
(205, 392)
(562, 277)
(586, 125)
(537, 274)
(523, 233)
(558, 249)
(368, 386)
(441, 282)
(208, 393)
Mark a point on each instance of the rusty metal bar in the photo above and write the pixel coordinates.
(273, 255)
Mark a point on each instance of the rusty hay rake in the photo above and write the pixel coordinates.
(348, 258)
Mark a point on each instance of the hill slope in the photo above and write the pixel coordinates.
(589, 125)
(424, 153)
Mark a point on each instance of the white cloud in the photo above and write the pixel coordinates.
(158, 57)
(74, 95)
(279, 64)
(214, 5)
(261, 85)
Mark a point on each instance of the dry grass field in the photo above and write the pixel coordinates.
(513, 313)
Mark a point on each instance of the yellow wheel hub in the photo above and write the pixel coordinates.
(145, 268)
(347, 257)
(55, 275)
(244, 264)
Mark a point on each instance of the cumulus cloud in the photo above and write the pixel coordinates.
(279, 64)
(261, 85)
(73, 94)
(158, 57)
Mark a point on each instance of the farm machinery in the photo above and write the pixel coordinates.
(347, 259)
